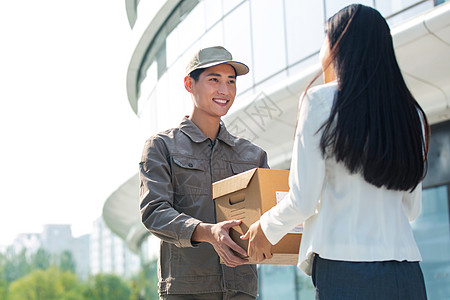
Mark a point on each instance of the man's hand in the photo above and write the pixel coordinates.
(218, 236)
(259, 247)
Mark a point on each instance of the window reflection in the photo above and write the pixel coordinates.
(305, 30)
(432, 233)
(414, 11)
(269, 43)
(388, 8)
(213, 12)
(277, 282)
(228, 5)
(173, 46)
(333, 6)
(149, 82)
(191, 28)
(237, 40)
(214, 36)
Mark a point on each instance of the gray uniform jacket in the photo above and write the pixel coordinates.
(177, 169)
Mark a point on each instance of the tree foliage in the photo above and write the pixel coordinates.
(40, 260)
(107, 287)
(66, 261)
(42, 276)
(15, 265)
(49, 284)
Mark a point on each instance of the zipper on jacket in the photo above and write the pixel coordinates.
(211, 145)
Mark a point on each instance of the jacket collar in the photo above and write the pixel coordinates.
(197, 136)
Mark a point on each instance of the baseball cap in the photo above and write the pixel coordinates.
(213, 56)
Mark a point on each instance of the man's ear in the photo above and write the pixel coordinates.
(188, 83)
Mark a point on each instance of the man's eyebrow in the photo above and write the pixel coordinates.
(219, 75)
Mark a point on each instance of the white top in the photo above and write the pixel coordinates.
(344, 217)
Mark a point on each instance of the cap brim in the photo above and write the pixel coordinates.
(241, 69)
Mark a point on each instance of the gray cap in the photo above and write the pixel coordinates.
(213, 56)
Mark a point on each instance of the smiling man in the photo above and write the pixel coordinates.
(177, 169)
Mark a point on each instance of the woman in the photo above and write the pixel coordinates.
(358, 161)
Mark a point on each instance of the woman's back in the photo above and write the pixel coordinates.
(375, 125)
(356, 220)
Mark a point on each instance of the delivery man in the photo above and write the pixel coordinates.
(177, 169)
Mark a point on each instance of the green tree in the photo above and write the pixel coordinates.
(3, 289)
(40, 260)
(15, 265)
(106, 287)
(50, 284)
(3, 282)
(145, 285)
(66, 261)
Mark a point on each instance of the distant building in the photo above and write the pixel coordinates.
(109, 254)
(102, 251)
(80, 252)
(55, 239)
(30, 241)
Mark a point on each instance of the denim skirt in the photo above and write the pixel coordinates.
(336, 280)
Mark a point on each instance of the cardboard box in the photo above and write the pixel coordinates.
(246, 196)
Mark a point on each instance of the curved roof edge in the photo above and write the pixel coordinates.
(422, 47)
(131, 8)
(121, 213)
(142, 49)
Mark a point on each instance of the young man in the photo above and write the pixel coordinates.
(177, 170)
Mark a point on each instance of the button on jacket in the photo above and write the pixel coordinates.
(345, 217)
(177, 170)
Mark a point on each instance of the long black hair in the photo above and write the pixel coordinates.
(376, 127)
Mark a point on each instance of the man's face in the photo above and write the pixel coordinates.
(214, 92)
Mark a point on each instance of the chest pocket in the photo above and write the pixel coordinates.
(189, 163)
(190, 178)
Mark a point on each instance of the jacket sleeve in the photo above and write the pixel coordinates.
(264, 163)
(156, 197)
(306, 177)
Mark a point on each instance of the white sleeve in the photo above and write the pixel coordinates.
(412, 202)
(306, 178)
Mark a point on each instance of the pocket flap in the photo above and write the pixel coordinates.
(188, 163)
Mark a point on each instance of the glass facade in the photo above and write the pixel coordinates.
(432, 233)
(278, 39)
(275, 38)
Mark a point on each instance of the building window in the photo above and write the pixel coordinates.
(304, 29)
(269, 44)
(237, 40)
(388, 8)
(333, 6)
(432, 233)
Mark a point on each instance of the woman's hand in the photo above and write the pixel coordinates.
(258, 244)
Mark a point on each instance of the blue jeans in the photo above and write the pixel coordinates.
(386, 280)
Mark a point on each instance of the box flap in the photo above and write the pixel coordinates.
(232, 184)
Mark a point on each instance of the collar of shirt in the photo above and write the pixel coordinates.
(197, 136)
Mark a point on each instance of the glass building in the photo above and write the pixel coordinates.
(280, 41)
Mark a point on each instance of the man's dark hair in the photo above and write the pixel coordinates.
(196, 73)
